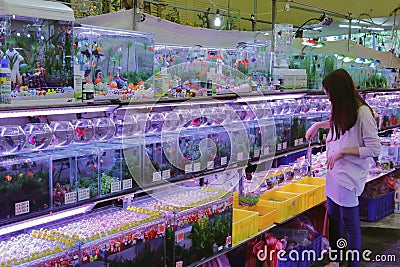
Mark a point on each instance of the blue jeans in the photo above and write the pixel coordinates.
(344, 220)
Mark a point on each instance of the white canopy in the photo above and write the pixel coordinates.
(37, 8)
(387, 59)
(167, 32)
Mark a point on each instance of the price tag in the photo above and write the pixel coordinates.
(296, 142)
(256, 153)
(166, 174)
(240, 156)
(300, 141)
(210, 165)
(115, 187)
(70, 197)
(161, 228)
(188, 168)
(228, 240)
(279, 147)
(156, 176)
(266, 150)
(22, 207)
(284, 145)
(179, 236)
(196, 167)
(83, 194)
(127, 184)
(224, 160)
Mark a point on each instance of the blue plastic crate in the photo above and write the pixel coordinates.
(299, 235)
(315, 246)
(373, 209)
(285, 160)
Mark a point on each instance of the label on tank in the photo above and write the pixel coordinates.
(83, 194)
(115, 187)
(126, 184)
(70, 197)
(166, 174)
(22, 207)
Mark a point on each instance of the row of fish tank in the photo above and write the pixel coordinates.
(387, 108)
(171, 226)
(57, 59)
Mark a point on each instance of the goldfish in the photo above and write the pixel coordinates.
(98, 80)
(8, 178)
(30, 174)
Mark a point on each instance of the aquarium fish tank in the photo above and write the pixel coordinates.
(166, 55)
(37, 40)
(253, 60)
(116, 62)
(199, 222)
(24, 186)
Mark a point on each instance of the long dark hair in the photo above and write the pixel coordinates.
(345, 101)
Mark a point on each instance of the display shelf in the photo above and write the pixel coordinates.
(371, 178)
(199, 263)
(285, 153)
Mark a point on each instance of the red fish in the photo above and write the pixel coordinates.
(30, 174)
(79, 132)
(31, 139)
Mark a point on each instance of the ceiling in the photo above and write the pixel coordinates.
(369, 12)
(366, 16)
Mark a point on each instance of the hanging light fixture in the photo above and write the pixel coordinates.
(359, 60)
(348, 59)
(339, 56)
(217, 19)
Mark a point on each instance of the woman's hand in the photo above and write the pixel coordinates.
(331, 160)
(312, 131)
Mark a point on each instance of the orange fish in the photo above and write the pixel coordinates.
(98, 80)
(8, 178)
(110, 78)
(30, 174)
(202, 73)
(151, 48)
(87, 79)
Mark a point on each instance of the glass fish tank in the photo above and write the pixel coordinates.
(120, 166)
(39, 50)
(87, 173)
(253, 60)
(64, 180)
(169, 55)
(24, 186)
(152, 159)
(116, 62)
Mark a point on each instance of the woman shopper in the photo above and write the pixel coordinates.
(352, 140)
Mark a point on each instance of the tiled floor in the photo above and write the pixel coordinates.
(381, 238)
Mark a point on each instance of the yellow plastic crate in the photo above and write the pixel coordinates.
(308, 197)
(236, 200)
(244, 225)
(287, 204)
(266, 215)
(320, 182)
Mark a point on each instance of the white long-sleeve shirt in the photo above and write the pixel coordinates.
(350, 172)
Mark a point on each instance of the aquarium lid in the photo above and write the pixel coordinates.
(37, 8)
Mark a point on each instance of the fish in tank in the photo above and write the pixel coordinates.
(39, 50)
(24, 186)
(117, 62)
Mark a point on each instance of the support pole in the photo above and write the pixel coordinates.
(254, 23)
(273, 25)
(349, 35)
(135, 15)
